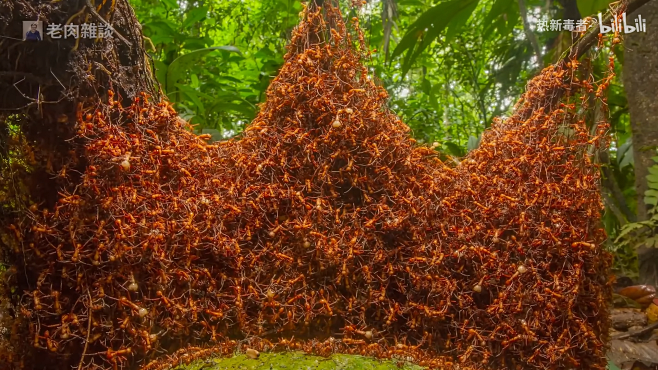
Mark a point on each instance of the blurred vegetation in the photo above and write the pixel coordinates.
(450, 67)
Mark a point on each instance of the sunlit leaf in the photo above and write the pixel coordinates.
(229, 78)
(497, 9)
(653, 201)
(411, 2)
(195, 15)
(171, 4)
(627, 229)
(460, 20)
(652, 179)
(427, 28)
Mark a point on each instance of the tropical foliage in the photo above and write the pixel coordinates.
(644, 232)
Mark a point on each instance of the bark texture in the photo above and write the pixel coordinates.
(640, 76)
(45, 87)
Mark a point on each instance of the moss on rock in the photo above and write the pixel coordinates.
(297, 361)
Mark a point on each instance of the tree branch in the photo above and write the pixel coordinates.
(609, 182)
(528, 32)
(607, 200)
(592, 36)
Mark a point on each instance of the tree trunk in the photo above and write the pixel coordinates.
(640, 76)
(46, 88)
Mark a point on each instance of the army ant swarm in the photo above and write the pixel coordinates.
(324, 228)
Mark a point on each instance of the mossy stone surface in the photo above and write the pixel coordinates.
(297, 361)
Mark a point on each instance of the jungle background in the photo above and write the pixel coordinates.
(450, 67)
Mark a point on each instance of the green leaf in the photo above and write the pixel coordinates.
(408, 41)
(171, 4)
(497, 9)
(651, 242)
(185, 112)
(194, 43)
(411, 2)
(246, 109)
(229, 48)
(625, 154)
(427, 28)
(653, 170)
(162, 26)
(627, 229)
(426, 86)
(434, 102)
(194, 81)
(651, 193)
(592, 7)
(617, 96)
(460, 20)
(652, 178)
(180, 65)
(264, 53)
(473, 143)
(612, 366)
(160, 71)
(229, 78)
(653, 201)
(513, 18)
(193, 95)
(161, 32)
(233, 58)
(195, 15)
(454, 149)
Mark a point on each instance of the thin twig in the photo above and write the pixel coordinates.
(60, 82)
(20, 92)
(88, 330)
(95, 13)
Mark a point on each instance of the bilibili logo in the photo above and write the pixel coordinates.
(623, 26)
